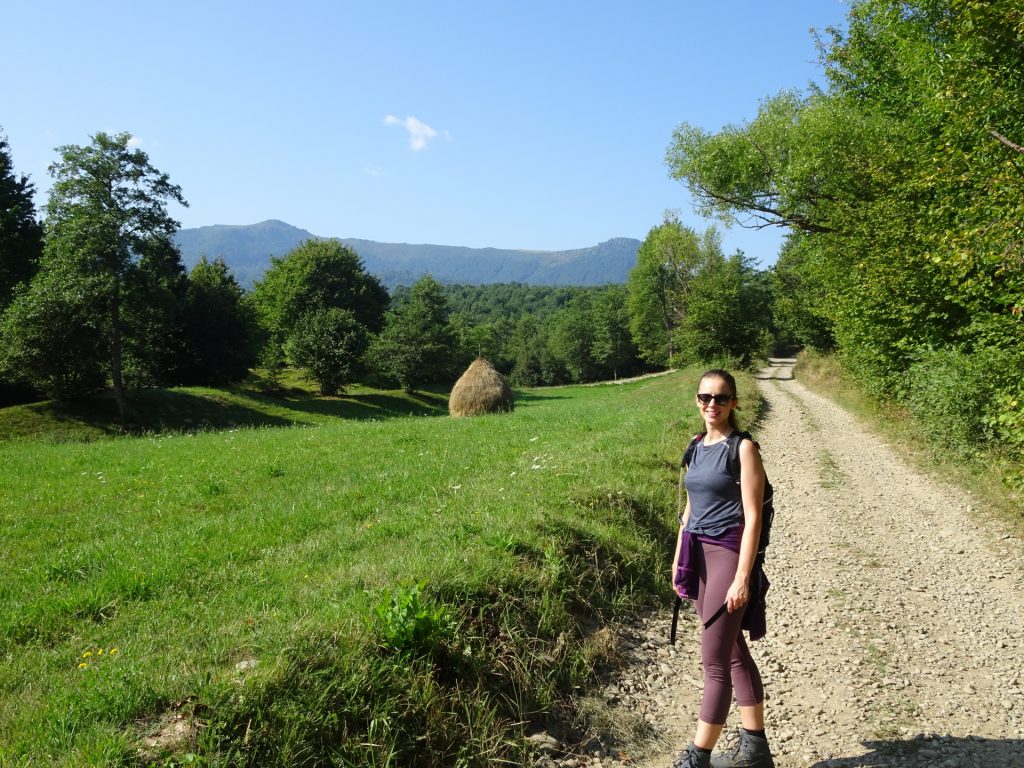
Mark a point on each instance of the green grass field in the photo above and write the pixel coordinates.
(350, 590)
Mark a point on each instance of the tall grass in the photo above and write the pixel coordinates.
(416, 591)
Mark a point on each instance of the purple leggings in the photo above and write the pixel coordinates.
(728, 664)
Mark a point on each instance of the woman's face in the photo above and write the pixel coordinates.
(720, 401)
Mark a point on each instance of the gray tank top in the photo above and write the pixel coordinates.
(716, 504)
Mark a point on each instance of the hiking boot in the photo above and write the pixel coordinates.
(691, 758)
(751, 752)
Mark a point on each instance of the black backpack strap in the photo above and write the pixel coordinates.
(735, 440)
(675, 618)
(691, 447)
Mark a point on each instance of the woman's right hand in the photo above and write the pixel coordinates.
(738, 595)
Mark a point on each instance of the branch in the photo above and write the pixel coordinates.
(783, 220)
(1003, 140)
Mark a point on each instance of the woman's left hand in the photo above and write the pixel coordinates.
(737, 596)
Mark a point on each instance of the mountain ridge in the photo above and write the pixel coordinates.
(248, 248)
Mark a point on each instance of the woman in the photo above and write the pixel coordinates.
(718, 540)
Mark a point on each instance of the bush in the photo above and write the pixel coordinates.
(53, 335)
(328, 344)
(962, 398)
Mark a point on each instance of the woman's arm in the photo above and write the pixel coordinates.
(752, 494)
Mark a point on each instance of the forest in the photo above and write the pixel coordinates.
(95, 296)
(899, 184)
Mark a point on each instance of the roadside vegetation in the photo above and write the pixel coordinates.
(899, 181)
(202, 565)
(361, 592)
(990, 472)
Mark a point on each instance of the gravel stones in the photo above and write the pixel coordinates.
(896, 616)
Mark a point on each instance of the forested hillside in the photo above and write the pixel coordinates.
(247, 250)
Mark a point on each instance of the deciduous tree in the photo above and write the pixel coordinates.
(418, 344)
(612, 347)
(318, 274)
(659, 286)
(221, 331)
(107, 206)
(328, 344)
(55, 335)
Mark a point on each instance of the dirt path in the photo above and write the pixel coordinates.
(896, 618)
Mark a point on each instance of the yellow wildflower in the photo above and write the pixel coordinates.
(83, 665)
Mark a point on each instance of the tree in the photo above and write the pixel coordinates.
(799, 299)
(528, 339)
(221, 332)
(490, 340)
(902, 180)
(418, 344)
(107, 206)
(318, 274)
(659, 284)
(612, 347)
(728, 312)
(795, 165)
(328, 344)
(571, 338)
(154, 316)
(53, 335)
(21, 235)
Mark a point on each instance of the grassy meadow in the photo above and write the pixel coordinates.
(401, 590)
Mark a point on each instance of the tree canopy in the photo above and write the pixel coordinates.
(418, 343)
(316, 275)
(21, 235)
(107, 209)
(902, 185)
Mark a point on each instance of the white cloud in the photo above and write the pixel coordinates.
(134, 142)
(419, 132)
(372, 171)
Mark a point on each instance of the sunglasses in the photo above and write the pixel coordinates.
(706, 399)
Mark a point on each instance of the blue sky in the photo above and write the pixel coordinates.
(530, 124)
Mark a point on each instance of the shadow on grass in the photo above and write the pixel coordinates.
(179, 410)
(538, 395)
(158, 410)
(369, 405)
(943, 750)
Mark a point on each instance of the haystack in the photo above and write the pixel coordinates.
(481, 389)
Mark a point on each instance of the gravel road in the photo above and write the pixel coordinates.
(896, 616)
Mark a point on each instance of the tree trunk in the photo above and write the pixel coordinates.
(115, 352)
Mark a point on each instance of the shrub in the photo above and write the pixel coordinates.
(962, 398)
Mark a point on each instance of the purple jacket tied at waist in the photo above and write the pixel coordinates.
(687, 577)
(686, 582)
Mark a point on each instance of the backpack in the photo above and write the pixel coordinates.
(758, 579)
